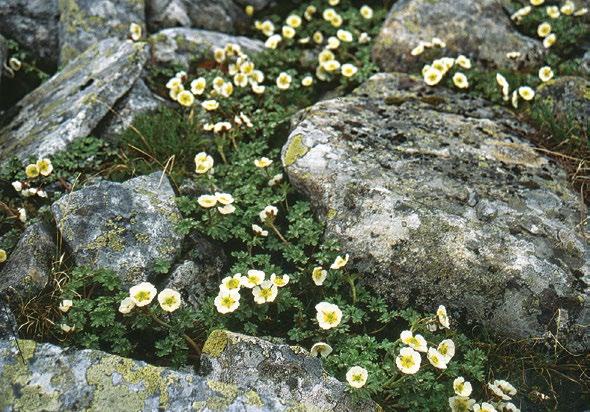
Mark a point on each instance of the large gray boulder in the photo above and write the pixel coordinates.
(33, 25)
(83, 23)
(29, 266)
(138, 101)
(439, 200)
(127, 227)
(58, 379)
(70, 104)
(219, 15)
(480, 29)
(182, 45)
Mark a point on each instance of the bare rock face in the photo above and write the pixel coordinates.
(126, 227)
(439, 200)
(242, 374)
(83, 23)
(29, 266)
(182, 45)
(479, 29)
(33, 25)
(70, 104)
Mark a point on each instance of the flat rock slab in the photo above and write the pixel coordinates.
(83, 23)
(29, 266)
(70, 104)
(479, 29)
(58, 379)
(127, 227)
(182, 45)
(439, 200)
(33, 25)
(219, 15)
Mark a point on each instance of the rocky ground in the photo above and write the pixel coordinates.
(439, 196)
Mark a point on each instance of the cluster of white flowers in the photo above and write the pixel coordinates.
(409, 359)
(524, 92)
(263, 290)
(224, 199)
(433, 73)
(144, 293)
(42, 167)
(502, 392)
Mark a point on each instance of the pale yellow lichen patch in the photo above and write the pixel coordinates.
(514, 153)
(295, 150)
(215, 343)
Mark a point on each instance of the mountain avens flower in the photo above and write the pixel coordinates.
(357, 377)
(143, 293)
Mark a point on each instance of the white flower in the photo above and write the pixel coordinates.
(328, 315)
(65, 305)
(231, 282)
(273, 41)
(364, 38)
(318, 275)
(513, 55)
(357, 376)
(224, 198)
(227, 301)
(568, 8)
(447, 349)
(288, 32)
(484, 407)
(275, 180)
(279, 281)
(436, 359)
(549, 40)
(22, 214)
(443, 319)
(544, 29)
(502, 389)
(262, 162)
(18, 186)
(258, 231)
(348, 70)
(408, 361)
(515, 99)
(198, 86)
(503, 83)
(207, 201)
(210, 105)
(320, 348)
(461, 403)
(545, 73)
(416, 342)
(344, 35)
(463, 61)
(253, 278)
(126, 305)
(293, 20)
(226, 210)
(135, 31)
(67, 328)
(169, 300)
(462, 387)
(339, 262)
(266, 292)
(460, 80)
(45, 167)
(366, 12)
(283, 81)
(432, 76)
(553, 12)
(203, 163)
(268, 214)
(143, 293)
(526, 93)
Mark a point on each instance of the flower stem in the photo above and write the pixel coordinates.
(274, 228)
(352, 288)
(185, 336)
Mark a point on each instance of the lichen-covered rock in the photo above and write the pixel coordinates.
(8, 327)
(480, 29)
(197, 278)
(182, 45)
(568, 99)
(58, 379)
(219, 15)
(439, 201)
(70, 104)
(29, 266)
(138, 101)
(83, 23)
(285, 375)
(127, 227)
(33, 25)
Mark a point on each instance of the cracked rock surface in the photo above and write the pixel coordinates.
(439, 200)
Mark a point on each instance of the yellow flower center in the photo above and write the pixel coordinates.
(357, 378)
(330, 317)
(169, 301)
(407, 361)
(142, 295)
(265, 293)
(227, 301)
(233, 284)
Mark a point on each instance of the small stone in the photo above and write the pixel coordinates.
(83, 23)
(29, 266)
(70, 104)
(127, 227)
